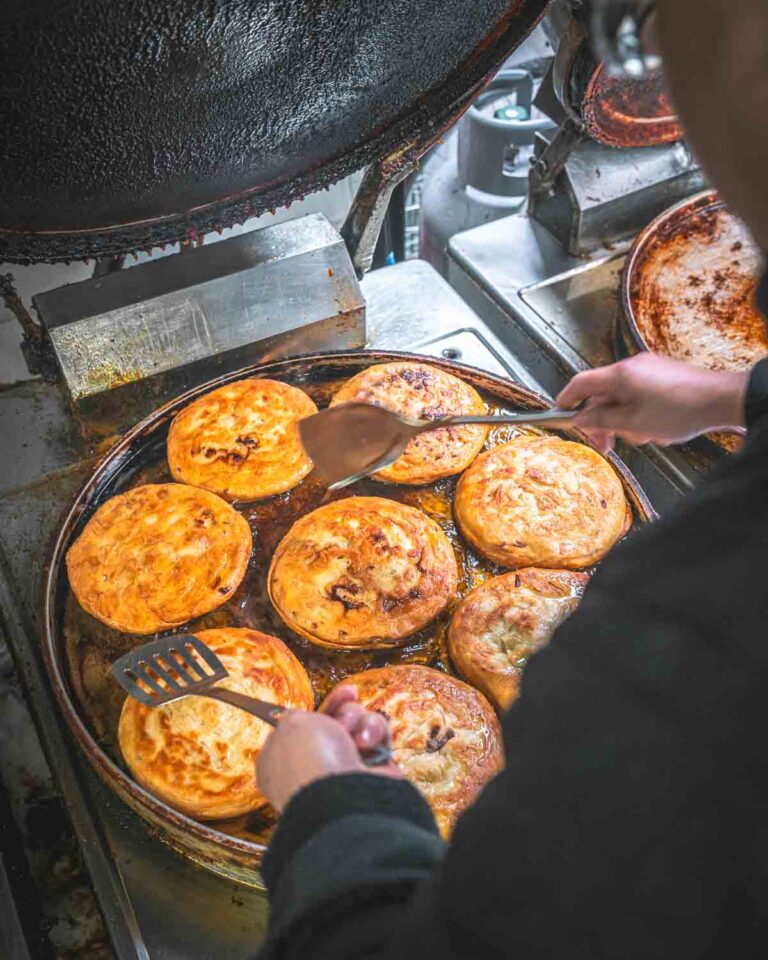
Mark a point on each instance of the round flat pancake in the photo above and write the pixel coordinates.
(158, 556)
(426, 393)
(543, 502)
(499, 625)
(445, 735)
(362, 572)
(199, 755)
(241, 441)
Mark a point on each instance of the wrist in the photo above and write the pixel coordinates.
(723, 400)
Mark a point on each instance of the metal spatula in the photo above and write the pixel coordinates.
(353, 440)
(182, 666)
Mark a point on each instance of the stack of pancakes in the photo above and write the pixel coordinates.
(361, 573)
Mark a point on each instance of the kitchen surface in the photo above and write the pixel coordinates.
(499, 238)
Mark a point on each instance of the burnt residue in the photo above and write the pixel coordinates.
(656, 281)
(79, 650)
(345, 594)
(623, 112)
(129, 126)
(438, 738)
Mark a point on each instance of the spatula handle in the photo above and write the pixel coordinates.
(270, 713)
(534, 417)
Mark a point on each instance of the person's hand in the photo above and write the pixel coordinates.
(653, 399)
(309, 746)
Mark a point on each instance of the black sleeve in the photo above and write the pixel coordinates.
(756, 404)
(344, 861)
(630, 820)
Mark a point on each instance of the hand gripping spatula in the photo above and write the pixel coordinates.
(352, 440)
(182, 666)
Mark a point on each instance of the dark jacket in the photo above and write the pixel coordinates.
(631, 820)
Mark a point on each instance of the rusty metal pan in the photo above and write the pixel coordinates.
(621, 112)
(615, 111)
(78, 650)
(688, 289)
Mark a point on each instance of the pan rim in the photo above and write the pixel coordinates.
(172, 825)
(699, 201)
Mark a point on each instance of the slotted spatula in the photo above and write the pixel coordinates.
(352, 440)
(182, 666)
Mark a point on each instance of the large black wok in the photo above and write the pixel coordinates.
(126, 125)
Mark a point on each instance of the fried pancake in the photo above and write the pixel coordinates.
(157, 556)
(498, 626)
(199, 755)
(541, 502)
(424, 392)
(445, 735)
(362, 572)
(241, 441)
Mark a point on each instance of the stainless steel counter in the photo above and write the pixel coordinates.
(154, 903)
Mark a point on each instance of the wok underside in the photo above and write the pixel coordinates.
(128, 125)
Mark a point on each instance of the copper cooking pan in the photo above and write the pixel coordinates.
(235, 849)
(688, 290)
(615, 111)
(694, 265)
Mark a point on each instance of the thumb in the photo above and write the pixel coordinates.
(584, 386)
(603, 440)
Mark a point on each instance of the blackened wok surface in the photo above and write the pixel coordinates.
(126, 125)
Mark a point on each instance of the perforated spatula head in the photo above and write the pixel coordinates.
(166, 669)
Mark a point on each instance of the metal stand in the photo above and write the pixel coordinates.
(127, 340)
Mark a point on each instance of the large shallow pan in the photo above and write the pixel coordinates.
(235, 849)
(688, 290)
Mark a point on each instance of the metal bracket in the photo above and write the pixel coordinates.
(35, 347)
(362, 226)
(548, 167)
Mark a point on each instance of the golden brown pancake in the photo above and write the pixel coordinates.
(362, 572)
(499, 625)
(541, 502)
(157, 556)
(241, 441)
(428, 393)
(445, 735)
(199, 755)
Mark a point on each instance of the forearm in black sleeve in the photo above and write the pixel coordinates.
(756, 403)
(621, 824)
(345, 859)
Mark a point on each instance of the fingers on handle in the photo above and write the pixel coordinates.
(584, 386)
(342, 694)
(371, 730)
(603, 440)
(366, 729)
